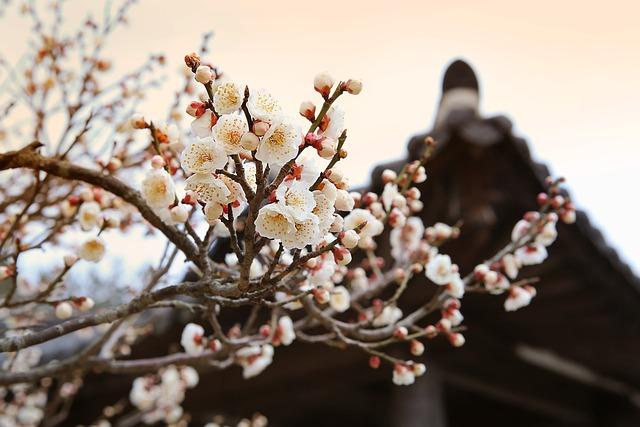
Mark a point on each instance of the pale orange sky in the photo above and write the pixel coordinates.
(565, 72)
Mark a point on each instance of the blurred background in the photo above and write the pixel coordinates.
(566, 73)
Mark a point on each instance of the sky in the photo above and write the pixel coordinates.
(565, 72)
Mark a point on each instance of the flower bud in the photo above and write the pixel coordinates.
(431, 331)
(138, 122)
(157, 162)
(456, 339)
(69, 260)
(350, 239)
(337, 225)
(417, 348)
(308, 110)
(389, 175)
(327, 149)
(192, 60)
(85, 304)
(249, 141)
(419, 369)
(196, 109)
(401, 332)
(179, 214)
(203, 74)
(321, 295)
(260, 128)
(64, 310)
(374, 362)
(341, 255)
(354, 87)
(322, 83)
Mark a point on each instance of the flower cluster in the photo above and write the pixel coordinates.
(253, 199)
(159, 396)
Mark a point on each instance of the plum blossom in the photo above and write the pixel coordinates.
(92, 249)
(286, 333)
(335, 126)
(357, 217)
(192, 339)
(208, 188)
(402, 375)
(531, 254)
(295, 199)
(406, 239)
(203, 156)
(201, 127)
(548, 234)
(228, 97)
(280, 144)
(264, 106)
(518, 297)
(89, 215)
(228, 131)
(324, 211)
(440, 270)
(388, 316)
(158, 189)
(254, 359)
(273, 222)
(304, 233)
(340, 299)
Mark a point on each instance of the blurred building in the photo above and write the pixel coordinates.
(569, 359)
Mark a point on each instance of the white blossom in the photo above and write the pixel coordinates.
(440, 270)
(357, 217)
(406, 239)
(340, 299)
(344, 201)
(531, 254)
(92, 249)
(203, 156)
(255, 359)
(228, 131)
(295, 199)
(158, 189)
(192, 339)
(548, 234)
(264, 106)
(286, 332)
(273, 222)
(89, 215)
(201, 126)
(228, 98)
(518, 298)
(208, 188)
(304, 233)
(388, 316)
(336, 123)
(280, 144)
(402, 375)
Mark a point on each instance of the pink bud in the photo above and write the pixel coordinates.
(417, 348)
(374, 362)
(401, 332)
